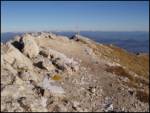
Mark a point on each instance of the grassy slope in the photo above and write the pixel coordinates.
(131, 62)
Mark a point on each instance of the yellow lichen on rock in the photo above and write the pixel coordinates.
(56, 77)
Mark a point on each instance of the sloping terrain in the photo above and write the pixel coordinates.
(48, 72)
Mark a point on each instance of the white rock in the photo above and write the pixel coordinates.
(30, 49)
(60, 60)
(29, 75)
(43, 101)
(7, 77)
(37, 106)
(14, 57)
(89, 51)
(113, 64)
(52, 88)
(47, 64)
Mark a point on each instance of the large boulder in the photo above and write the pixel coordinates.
(15, 58)
(30, 49)
(53, 58)
(60, 60)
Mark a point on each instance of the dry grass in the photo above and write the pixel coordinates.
(133, 82)
(143, 96)
(132, 62)
(137, 64)
(117, 70)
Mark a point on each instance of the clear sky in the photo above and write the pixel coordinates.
(77, 15)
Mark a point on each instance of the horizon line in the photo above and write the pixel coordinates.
(74, 31)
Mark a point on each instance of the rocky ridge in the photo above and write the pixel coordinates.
(45, 72)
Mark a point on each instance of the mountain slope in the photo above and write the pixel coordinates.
(75, 74)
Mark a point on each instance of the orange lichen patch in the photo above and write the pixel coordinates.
(56, 77)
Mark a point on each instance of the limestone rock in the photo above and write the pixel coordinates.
(81, 39)
(7, 78)
(16, 38)
(47, 64)
(53, 89)
(44, 53)
(50, 80)
(14, 57)
(8, 104)
(6, 66)
(30, 49)
(62, 62)
(28, 75)
(49, 35)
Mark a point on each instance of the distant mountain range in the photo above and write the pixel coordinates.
(132, 41)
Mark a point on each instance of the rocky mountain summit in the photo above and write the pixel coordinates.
(45, 72)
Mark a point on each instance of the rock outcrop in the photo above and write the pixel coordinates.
(14, 57)
(45, 72)
(30, 49)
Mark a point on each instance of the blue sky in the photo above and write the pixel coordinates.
(77, 15)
